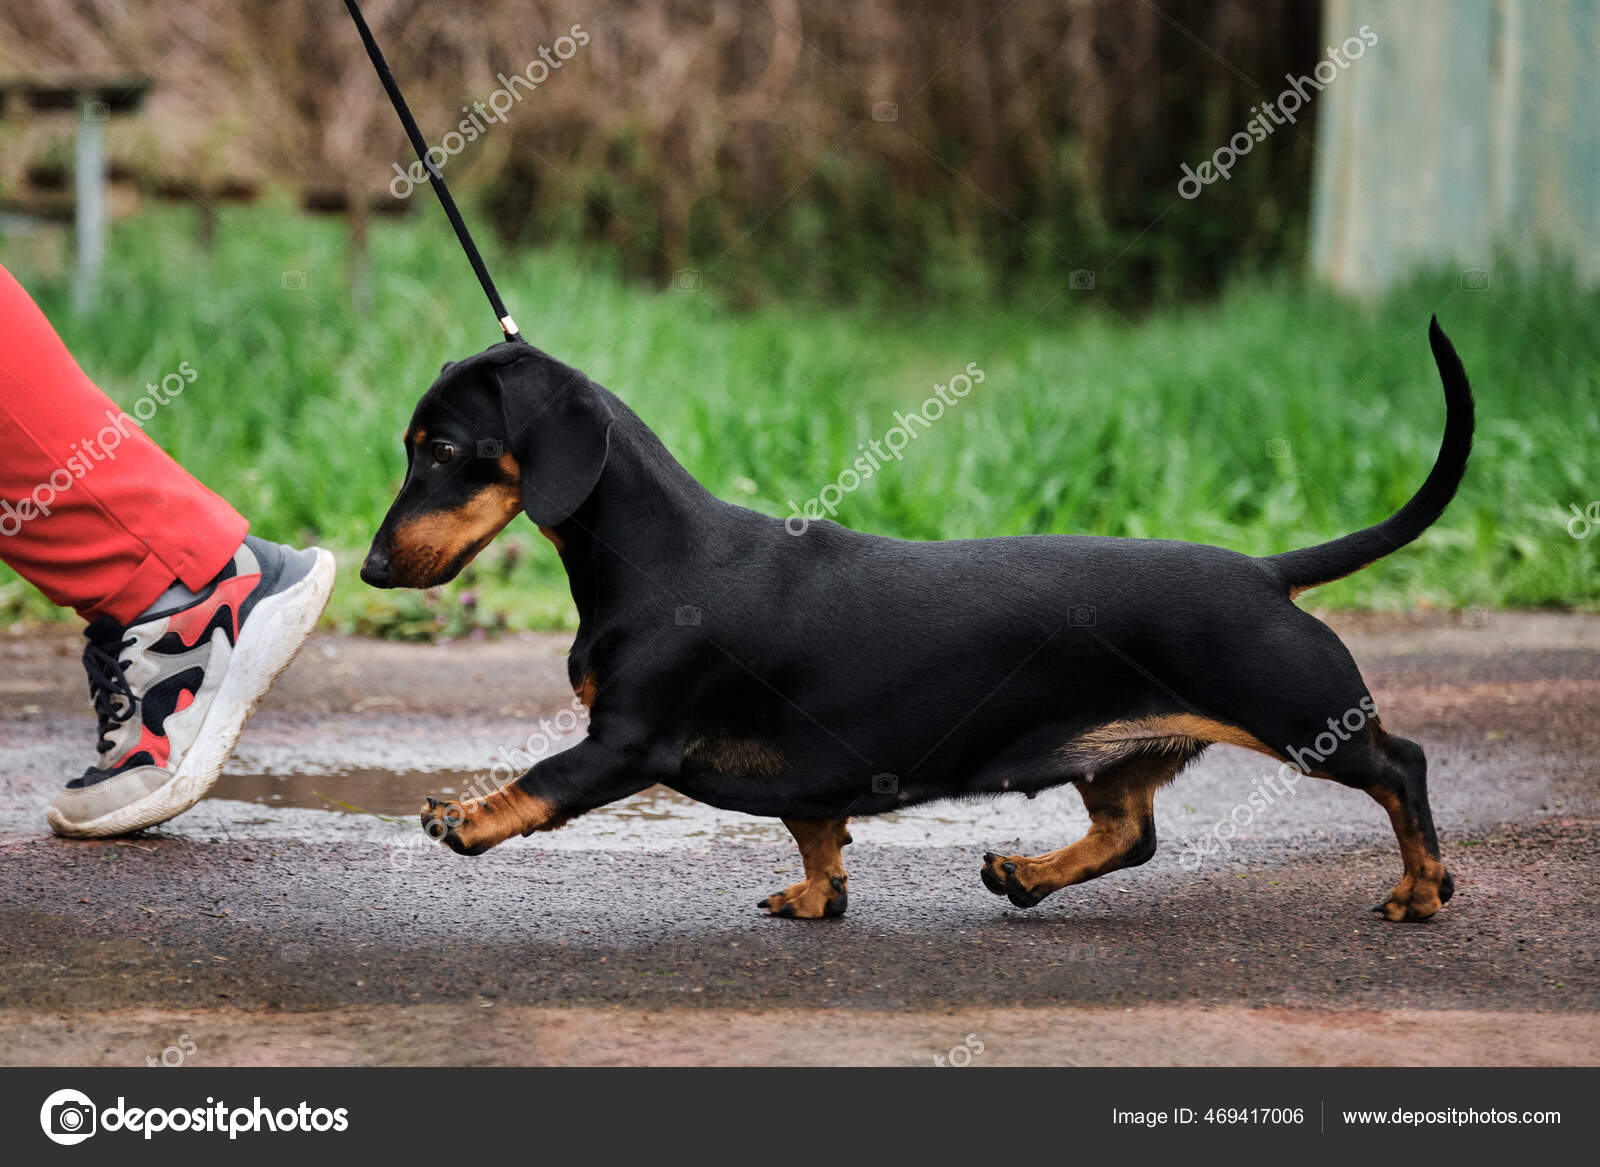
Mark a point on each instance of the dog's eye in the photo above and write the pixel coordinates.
(443, 452)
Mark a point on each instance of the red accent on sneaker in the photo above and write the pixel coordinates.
(159, 746)
(191, 623)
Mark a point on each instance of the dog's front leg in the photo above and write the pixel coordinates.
(559, 788)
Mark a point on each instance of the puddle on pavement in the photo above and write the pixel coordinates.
(399, 795)
(379, 792)
(654, 818)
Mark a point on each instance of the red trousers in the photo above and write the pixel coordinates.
(92, 512)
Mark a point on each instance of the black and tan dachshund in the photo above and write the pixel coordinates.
(829, 674)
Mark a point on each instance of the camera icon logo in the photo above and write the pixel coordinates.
(687, 616)
(1474, 279)
(886, 784)
(293, 281)
(96, 111)
(1279, 448)
(1583, 520)
(885, 111)
(1081, 280)
(683, 953)
(686, 280)
(68, 1117)
(491, 448)
(1083, 615)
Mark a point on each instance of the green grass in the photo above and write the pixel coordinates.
(1087, 421)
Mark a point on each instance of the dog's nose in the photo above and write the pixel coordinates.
(375, 571)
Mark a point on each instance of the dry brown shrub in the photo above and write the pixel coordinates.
(1033, 134)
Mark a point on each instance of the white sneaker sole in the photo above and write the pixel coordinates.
(275, 632)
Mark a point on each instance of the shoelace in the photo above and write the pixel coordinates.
(107, 683)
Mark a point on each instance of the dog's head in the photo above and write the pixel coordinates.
(507, 430)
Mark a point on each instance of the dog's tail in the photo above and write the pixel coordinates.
(1311, 566)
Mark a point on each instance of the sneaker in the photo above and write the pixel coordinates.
(173, 689)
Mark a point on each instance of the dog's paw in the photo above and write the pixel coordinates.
(471, 826)
(451, 823)
(1005, 875)
(1417, 898)
(810, 900)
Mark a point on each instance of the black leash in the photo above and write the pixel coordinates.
(420, 145)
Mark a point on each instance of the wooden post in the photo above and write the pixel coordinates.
(89, 181)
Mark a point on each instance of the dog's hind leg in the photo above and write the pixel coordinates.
(1122, 832)
(1305, 699)
(1394, 772)
(823, 892)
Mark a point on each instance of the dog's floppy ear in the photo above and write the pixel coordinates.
(559, 432)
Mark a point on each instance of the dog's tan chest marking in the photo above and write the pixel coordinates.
(730, 755)
(1173, 734)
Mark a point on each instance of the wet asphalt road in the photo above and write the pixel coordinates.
(306, 889)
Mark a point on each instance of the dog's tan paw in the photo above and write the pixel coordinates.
(812, 899)
(473, 825)
(1008, 875)
(452, 823)
(1417, 897)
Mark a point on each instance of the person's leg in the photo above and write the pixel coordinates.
(191, 620)
(92, 512)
